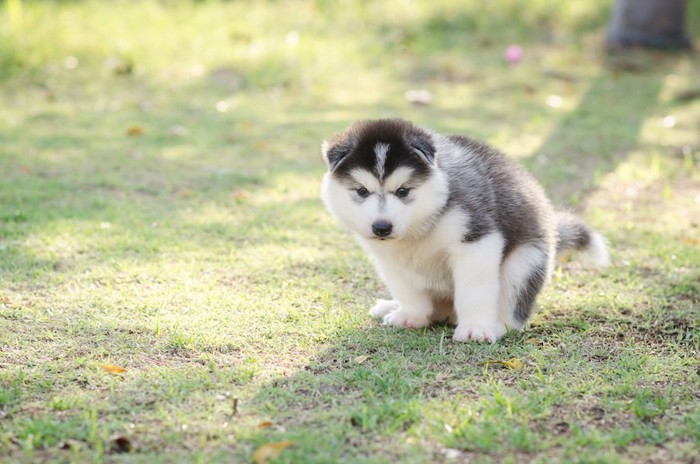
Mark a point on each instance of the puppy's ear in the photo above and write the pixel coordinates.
(422, 145)
(336, 149)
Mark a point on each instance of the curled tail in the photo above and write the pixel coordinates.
(574, 234)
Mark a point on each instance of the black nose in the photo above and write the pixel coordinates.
(381, 228)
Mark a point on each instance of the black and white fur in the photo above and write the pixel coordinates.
(457, 231)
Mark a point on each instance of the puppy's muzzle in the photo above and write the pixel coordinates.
(382, 228)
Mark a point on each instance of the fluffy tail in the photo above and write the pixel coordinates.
(574, 234)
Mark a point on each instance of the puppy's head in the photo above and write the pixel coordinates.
(382, 180)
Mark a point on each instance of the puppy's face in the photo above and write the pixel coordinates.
(382, 181)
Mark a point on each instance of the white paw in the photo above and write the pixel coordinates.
(406, 320)
(480, 333)
(384, 307)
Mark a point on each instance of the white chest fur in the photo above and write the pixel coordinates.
(423, 263)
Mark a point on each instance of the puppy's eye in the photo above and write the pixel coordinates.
(402, 192)
(362, 192)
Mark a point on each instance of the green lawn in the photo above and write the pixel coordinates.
(159, 175)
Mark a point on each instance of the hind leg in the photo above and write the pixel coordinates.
(523, 274)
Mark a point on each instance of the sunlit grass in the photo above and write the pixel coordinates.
(288, 43)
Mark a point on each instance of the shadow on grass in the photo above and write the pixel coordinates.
(408, 395)
(593, 139)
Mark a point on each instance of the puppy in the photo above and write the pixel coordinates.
(456, 230)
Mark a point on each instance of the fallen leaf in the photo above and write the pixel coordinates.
(226, 77)
(260, 145)
(264, 425)
(688, 95)
(562, 75)
(180, 131)
(691, 241)
(112, 369)
(234, 409)
(69, 444)
(184, 193)
(135, 131)
(120, 443)
(270, 451)
(241, 195)
(419, 97)
(512, 363)
(119, 66)
(361, 359)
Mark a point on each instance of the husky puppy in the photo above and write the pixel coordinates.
(457, 231)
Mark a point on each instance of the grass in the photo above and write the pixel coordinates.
(195, 253)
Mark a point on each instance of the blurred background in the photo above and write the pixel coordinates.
(213, 78)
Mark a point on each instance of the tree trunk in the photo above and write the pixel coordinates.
(648, 23)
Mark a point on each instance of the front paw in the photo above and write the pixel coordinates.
(384, 307)
(406, 320)
(480, 333)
